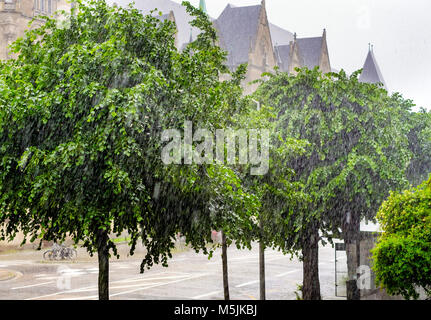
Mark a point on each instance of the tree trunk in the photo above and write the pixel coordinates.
(351, 231)
(225, 270)
(352, 289)
(103, 257)
(310, 253)
(262, 267)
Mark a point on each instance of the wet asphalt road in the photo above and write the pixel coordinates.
(189, 276)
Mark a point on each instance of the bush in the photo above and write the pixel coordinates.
(402, 257)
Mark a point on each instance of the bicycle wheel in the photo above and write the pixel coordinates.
(62, 255)
(57, 255)
(71, 253)
(48, 255)
(66, 254)
(74, 254)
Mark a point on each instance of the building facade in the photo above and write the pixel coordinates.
(249, 37)
(15, 16)
(244, 32)
(304, 52)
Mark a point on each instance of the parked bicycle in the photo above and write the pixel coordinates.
(60, 252)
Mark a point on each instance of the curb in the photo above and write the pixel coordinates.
(7, 275)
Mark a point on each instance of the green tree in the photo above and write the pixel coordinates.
(357, 152)
(402, 257)
(239, 227)
(82, 110)
(277, 190)
(420, 146)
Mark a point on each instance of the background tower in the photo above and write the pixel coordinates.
(203, 6)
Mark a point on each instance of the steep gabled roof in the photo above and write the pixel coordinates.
(371, 72)
(310, 50)
(237, 27)
(282, 54)
(280, 36)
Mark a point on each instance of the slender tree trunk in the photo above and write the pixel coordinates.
(225, 270)
(352, 240)
(262, 271)
(262, 267)
(311, 283)
(351, 284)
(103, 257)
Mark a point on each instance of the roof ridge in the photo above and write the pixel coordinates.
(309, 38)
(238, 30)
(231, 6)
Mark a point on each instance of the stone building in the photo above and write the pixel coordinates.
(304, 52)
(244, 32)
(248, 37)
(15, 16)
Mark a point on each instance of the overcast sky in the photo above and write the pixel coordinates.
(400, 31)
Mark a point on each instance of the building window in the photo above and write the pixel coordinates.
(42, 6)
(9, 5)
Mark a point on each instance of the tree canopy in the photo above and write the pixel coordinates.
(357, 152)
(82, 111)
(420, 146)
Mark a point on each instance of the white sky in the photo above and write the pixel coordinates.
(400, 31)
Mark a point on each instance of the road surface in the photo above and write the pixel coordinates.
(189, 276)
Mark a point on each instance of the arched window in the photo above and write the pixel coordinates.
(42, 5)
(49, 6)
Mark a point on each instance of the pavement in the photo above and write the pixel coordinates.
(24, 275)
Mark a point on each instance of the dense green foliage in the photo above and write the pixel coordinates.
(357, 152)
(402, 257)
(358, 147)
(420, 145)
(82, 110)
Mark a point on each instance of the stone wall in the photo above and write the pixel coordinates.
(261, 56)
(368, 242)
